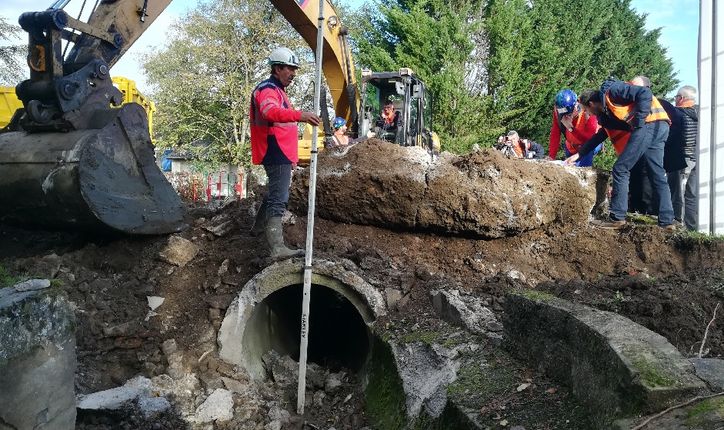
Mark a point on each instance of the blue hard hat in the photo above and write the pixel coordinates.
(339, 122)
(566, 101)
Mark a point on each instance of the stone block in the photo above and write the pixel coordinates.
(37, 360)
(613, 365)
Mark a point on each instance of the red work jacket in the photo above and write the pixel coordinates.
(273, 125)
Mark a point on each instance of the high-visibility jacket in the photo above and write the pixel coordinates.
(584, 127)
(273, 125)
(619, 138)
(626, 112)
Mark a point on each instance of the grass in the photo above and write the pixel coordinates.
(687, 240)
(6, 278)
(637, 218)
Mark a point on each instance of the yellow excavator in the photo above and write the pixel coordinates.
(72, 158)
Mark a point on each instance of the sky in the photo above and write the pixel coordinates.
(678, 19)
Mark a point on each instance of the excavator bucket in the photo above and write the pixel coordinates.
(103, 178)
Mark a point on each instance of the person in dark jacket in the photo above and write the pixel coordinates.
(638, 126)
(686, 178)
(642, 198)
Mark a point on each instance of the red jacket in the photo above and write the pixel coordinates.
(584, 127)
(273, 125)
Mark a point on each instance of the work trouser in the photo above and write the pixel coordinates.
(683, 185)
(279, 178)
(648, 143)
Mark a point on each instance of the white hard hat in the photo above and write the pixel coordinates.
(283, 56)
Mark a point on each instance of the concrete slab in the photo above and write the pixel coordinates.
(613, 365)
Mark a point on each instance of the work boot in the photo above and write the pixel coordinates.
(611, 224)
(259, 222)
(275, 238)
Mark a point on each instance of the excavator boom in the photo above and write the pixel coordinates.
(70, 159)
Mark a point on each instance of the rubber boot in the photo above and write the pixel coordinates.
(260, 222)
(275, 238)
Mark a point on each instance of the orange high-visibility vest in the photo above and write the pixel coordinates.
(619, 138)
(572, 142)
(627, 112)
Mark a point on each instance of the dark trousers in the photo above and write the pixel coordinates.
(279, 178)
(647, 143)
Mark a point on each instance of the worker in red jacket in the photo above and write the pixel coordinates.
(274, 145)
(570, 120)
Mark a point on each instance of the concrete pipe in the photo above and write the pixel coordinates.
(266, 316)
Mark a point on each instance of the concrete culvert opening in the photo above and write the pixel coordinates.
(338, 335)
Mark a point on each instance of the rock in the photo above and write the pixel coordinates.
(464, 311)
(319, 398)
(32, 285)
(274, 425)
(169, 347)
(315, 376)
(392, 296)
(152, 406)
(219, 301)
(425, 376)
(233, 385)
(223, 268)
(179, 251)
(494, 326)
(175, 367)
(220, 225)
(154, 302)
(333, 381)
(284, 371)
(277, 413)
(219, 406)
(115, 398)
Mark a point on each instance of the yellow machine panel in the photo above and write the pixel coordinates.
(9, 103)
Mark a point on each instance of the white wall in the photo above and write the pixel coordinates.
(711, 117)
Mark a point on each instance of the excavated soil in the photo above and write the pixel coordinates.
(651, 276)
(482, 194)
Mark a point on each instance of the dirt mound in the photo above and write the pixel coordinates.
(110, 281)
(482, 194)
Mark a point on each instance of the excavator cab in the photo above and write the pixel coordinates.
(412, 106)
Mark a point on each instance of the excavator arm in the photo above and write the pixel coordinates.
(63, 91)
(70, 159)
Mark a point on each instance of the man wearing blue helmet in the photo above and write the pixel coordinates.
(340, 137)
(571, 121)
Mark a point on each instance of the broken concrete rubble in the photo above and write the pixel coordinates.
(219, 406)
(464, 311)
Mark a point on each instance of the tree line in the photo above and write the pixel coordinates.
(497, 65)
(490, 65)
